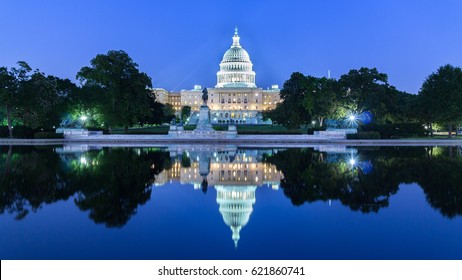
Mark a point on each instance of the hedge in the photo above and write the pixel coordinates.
(19, 131)
(398, 130)
(48, 135)
(364, 135)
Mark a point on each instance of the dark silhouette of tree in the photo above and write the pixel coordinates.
(12, 95)
(116, 181)
(31, 177)
(441, 97)
(125, 90)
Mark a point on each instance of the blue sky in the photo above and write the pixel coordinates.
(180, 43)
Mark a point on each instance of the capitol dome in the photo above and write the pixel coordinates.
(236, 67)
(236, 205)
(236, 55)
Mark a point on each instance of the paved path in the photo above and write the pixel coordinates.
(242, 140)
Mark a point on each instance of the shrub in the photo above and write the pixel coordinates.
(48, 135)
(398, 130)
(4, 133)
(19, 131)
(220, 127)
(269, 132)
(364, 135)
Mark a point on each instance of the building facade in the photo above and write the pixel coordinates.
(236, 97)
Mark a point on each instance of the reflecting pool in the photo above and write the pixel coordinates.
(230, 202)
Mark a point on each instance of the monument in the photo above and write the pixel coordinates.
(204, 128)
(204, 124)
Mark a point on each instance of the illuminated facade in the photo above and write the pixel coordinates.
(236, 97)
(235, 175)
(227, 168)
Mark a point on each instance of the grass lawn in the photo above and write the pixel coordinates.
(241, 129)
(436, 137)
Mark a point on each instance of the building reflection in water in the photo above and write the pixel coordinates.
(235, 175)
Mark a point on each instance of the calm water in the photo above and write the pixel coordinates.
(225, 202)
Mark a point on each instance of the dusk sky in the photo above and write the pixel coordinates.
(180, 43)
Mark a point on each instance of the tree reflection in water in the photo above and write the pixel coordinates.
(112, 183)
(109, 183)
(308, 177)
(31, 177)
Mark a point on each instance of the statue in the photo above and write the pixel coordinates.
(205, 96)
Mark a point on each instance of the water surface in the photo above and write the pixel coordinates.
(229, 202)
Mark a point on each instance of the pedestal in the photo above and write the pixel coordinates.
(204, 124)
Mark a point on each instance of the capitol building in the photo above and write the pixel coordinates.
(234, 174)
(235, 98)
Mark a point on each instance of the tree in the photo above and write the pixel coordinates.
(124, 98)
(441, 96)
(326, 100)
(11, 90)
(156, 110)
(366, 90)
(44, 100)
(168, 112)
(185, 112)
(297, 105)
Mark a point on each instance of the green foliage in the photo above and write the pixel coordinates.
(220, 127)
(185, 112)
(440, 98)
(20, 131)
(83, 101)
(326, 100)
(364, 89)
(33, 100)
(270, 132)
(143, 130)
(48, 135)
(296, 108)
(12, 95)
(46, 100)
(168, 113)
(364, 135)
(265, 129)
(397, 130)
(124, 94)
(185, 160)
